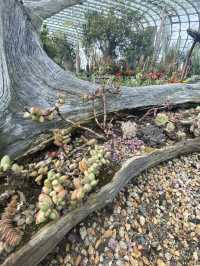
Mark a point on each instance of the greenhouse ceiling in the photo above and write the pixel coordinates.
(173, 17)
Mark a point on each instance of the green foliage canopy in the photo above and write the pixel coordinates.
(116, 34)
(57, 47)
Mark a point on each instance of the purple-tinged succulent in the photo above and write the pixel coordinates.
(122, 148)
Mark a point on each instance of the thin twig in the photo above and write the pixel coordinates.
(95, 115)
(167, 105)
(78, 125)
(77, 149)
(104, 108)
(154, 110)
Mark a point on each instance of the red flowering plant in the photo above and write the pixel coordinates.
(118, 75)
(154, 75)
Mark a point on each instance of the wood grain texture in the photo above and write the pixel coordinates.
(49, 236)
(30, 78)
(5, 94)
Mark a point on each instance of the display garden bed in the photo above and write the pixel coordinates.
(156, 137)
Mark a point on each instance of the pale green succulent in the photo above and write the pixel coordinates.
(5, 163)
(170, 127)
(161, 119)
(92, 166)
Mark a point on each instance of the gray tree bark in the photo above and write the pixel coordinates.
(28, 77)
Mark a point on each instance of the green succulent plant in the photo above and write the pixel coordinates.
(170, 127)
(90, 167)
(161, 119)
(52, 199)
(6, 164)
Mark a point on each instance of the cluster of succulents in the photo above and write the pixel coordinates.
(61, 137)
(6, 164)
(39, 172)
(52, 199)
(161, 119)
(46, 209)
(170, 127)
(181, 135)
(129, 129)
(90, 167)
(39, 115)
(195, 127)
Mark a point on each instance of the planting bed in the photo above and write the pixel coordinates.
(46, 195)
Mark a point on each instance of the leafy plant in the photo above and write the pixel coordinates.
(139, 47)
(113, 35)
(170, 62)
(58, 48)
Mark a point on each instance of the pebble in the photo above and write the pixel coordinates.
(160, 263)
(78, 261)
(142, 220)
(108, 233)
(83, 233)
(155, 221)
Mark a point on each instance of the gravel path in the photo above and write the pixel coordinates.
(154, 221)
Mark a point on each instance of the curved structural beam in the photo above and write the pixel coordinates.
(179, 13)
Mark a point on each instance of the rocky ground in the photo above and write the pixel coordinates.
(154, 221)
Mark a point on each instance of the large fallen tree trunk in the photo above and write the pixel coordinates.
(29, 78)
(49, 236)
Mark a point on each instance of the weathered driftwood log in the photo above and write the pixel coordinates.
(29, 78)
(49, 236)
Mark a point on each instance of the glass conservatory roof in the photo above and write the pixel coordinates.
(174, 16)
